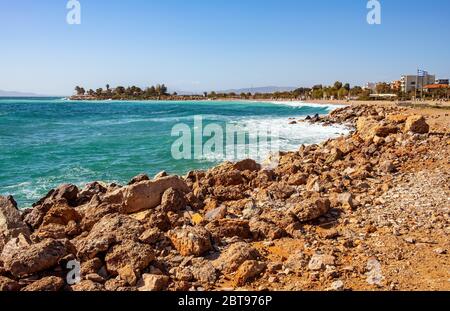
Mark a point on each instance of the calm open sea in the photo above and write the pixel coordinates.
(45, 142)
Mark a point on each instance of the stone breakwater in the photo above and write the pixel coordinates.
(345, 214)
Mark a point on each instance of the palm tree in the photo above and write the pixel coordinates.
(337, 85)
(79, 90)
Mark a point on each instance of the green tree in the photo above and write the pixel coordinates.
(337, 85)
(342, 93)
(383, 88)
(356, 91)
(318, 94)
(151, 91)
(79, 90)
(163, 90)
(120, 90)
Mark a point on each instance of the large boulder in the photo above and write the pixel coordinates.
(65, 194)
(95, 211)
(61, 221)
(234, 256)
(191, 241)
(247, 165)
(61, 215)
(145, 195)
(11, 224)
(310, 209)
(37, 257)
(417, 125)
(129, 253)
(173, 200)
(14, 246)
(111, 229)
(248, 271)
(368, 128)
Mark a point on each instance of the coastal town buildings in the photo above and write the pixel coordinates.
(416, 82)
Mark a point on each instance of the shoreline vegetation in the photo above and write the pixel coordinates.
(338, 91)
(366, 211)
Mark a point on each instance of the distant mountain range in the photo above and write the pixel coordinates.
(18, 94)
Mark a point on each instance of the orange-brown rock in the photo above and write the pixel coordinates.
(368, 128)
(234, 256)
(173, 200)
(144, 195)
(37, 257)
(229, 228)
(64, 194)
(153, 283)
(247, 165)
(135, 255)
(189, 241)
(417, 124)
(248, 271)
(47, 284)
(311, 208)
(111, 229)
(11, 224)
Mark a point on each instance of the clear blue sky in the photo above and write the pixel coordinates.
(217, 44)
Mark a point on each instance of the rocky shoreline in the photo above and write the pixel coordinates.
(369, 211)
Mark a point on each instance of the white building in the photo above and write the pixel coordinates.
(414, 82)
(370, 86)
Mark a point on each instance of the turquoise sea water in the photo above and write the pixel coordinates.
(46, 142)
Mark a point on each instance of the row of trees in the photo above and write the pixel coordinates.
(120, 92)
(338, 90)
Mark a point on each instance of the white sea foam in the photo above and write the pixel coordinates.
(288, 136)
(329, 107)
(33, 190)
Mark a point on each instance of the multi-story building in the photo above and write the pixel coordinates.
(442, 81)
(415, 82)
